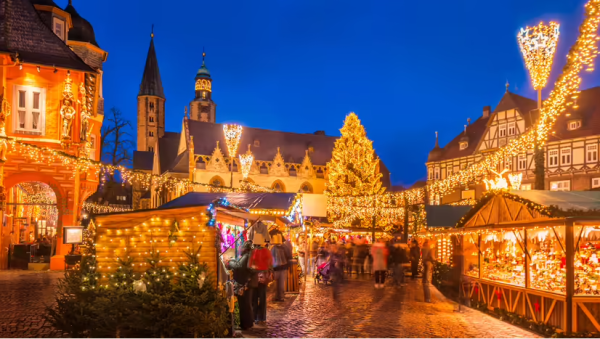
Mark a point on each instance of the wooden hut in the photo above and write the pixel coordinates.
(535, 253)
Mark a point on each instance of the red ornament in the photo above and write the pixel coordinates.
(498, 295)
(537, 306)
(476, 289)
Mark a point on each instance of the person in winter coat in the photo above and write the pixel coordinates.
(428, 259)
(259, 293)
(415, 255)
(398, 257)
(282, 257)
(243, 276)
(359, 254)
(379, 252)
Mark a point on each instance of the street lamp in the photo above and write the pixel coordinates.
(232, 133)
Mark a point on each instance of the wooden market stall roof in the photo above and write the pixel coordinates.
(526, 206)
(267, 201)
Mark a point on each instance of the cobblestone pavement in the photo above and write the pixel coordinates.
(23, 299)
(362, 311)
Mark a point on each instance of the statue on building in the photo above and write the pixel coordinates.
(67, 111)
(4, 112)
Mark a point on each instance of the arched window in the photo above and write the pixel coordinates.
(278, 186)
(306, 188)
(216, 181)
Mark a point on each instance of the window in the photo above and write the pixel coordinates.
(565, 156)
(29, 103)
(278, 186)
(151, 107)
(501, 142)
(574, 124)
(150, 149)
(468, 194)
(59, 27)
(511, 129)
(306, 188)
(563, 185)
(463, 166)
(502, 131)
(437, 173)
(595, 182)
(92, 154)
(203, 95)
(508, 164)
(522, 162)
(591, 153)
(151, 119)
(430, 176)
(553, 158)
(463, 145)
(448, 171)
(257, 143)
(151, 134)
(525, 187)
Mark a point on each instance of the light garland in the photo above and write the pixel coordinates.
(246, 162)
(538, 45)
(97, 208)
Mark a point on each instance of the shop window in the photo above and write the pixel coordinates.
(471, 253)
(553, 157)
(565, 156)
(547, 256)
(586, 262)
(503, 257)
(591, 153)
(525, 187)
(30, 106)
(563, 185)
(444, 250)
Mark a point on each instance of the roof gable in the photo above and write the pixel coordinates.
(23, 32)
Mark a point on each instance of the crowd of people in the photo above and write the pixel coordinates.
(266, 257)
(382, 259)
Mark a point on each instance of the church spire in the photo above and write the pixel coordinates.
(151, 82)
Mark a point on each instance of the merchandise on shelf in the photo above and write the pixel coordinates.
(502, 257)
(548, 264)
(586, 260)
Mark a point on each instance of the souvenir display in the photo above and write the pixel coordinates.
(586, 260)
(548, 263)
(502, 257)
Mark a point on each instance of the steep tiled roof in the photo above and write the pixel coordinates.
(23, 32)
(588, 111)
(82, 30)
(292, 146)
(143, 160)
(476, 130)
(151, 82)
(167, 148)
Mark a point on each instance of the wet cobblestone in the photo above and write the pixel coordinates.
(361, 311)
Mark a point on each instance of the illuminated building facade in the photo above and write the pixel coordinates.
(571, 153)
(51, 97)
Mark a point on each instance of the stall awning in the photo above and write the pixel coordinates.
(274, 201)
(444, 215)
(579, 200)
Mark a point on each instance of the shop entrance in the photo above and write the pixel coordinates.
(30, 224)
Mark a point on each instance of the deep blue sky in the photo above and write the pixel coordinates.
(407, 68)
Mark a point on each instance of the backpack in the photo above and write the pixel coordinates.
(265, 277)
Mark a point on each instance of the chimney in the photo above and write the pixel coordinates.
(486, 111)
(319, 133)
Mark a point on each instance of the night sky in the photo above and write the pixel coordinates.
(407, 68)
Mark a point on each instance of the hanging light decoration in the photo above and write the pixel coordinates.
(233, 133)
(538, 45)
(246, 162)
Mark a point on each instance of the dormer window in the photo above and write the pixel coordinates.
(311, 149)
(463, 145)
(574, 124)
(256, 143)
(58, 27)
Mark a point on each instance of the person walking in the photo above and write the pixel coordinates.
(379, 253)
(428, 259)
(314, 248)
(359, 255)
(302, 255)
(398, 258)
(415, 255)
(264, 275)
(282, 256)
(242, 275)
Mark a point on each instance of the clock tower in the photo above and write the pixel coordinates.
(203, 108)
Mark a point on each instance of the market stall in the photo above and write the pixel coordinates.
(437, 220)
(535, 253)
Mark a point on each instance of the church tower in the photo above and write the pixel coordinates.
(151, 104)
(202, 108)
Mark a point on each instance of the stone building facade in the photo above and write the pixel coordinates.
(283, 161)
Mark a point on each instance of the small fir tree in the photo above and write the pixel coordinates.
(123, 278)
(353, 169)
(157, 278)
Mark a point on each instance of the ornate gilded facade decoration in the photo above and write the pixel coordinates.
(306, 168)
(4, 113)
(67, 111)
(217, 161)
(278, 166)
